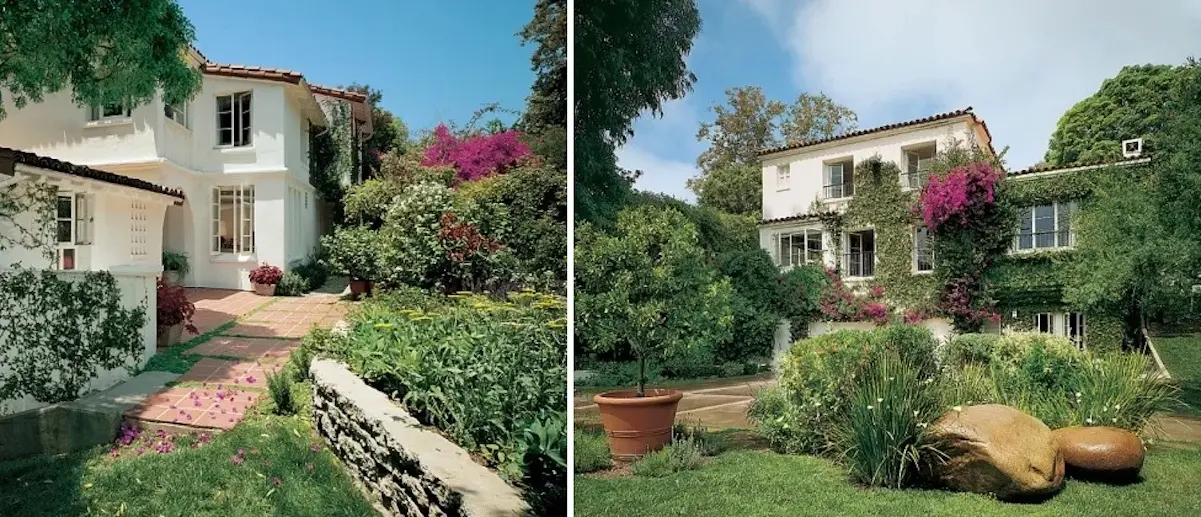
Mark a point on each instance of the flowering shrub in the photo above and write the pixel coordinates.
(958, 302)
(839, 303)
(477, 156)
(266, 274)
(960, 195)
(174, 307)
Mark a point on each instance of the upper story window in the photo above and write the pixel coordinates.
(923, 253)
(783, 176)
(178, 113)
(799, 248)
(917, 165)
(233, 119)
(108, 112)
(1045, 227)
(840, 180)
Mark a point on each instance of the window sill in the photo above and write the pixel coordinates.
(109, 122)
(837, 199)
(1038, 251)
(923, 273)
(229, 149)
(785, 189)
(230, 258)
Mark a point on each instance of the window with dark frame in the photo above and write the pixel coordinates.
(233, 120)
(1043, 323)
(923, 254)
(839, 180)
(108, 111)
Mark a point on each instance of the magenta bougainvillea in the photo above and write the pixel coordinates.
(962, 193)
(958, 302)
(477, 156)
(839, 303)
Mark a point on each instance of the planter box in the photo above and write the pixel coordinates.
(170, 336)
(360, 287)
(264, 289)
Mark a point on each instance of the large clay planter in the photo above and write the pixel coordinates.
(264, 289)
(360, 287)
(170, 336)
(173, 277)
(637, 425)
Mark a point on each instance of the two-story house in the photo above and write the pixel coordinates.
(805, 183)
(238, 151)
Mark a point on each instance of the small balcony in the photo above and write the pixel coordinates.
(860, 264)
(914, 180)
(844, 190)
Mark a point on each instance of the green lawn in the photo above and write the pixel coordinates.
(761, 483)
(1182, 357)
(285, 470)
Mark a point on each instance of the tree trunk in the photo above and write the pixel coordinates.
(641, 376)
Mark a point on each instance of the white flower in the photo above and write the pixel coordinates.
(1077, 394)
(922, 425)
(1104, 408)
(870, 408)
(1117, 407)
(817, 404)
(1088, 421)
(928, 381)
(892, 378)
(956, 408)
(915, 412)
(881, 401)
(1114, 420)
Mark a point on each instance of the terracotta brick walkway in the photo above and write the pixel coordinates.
(232, 374)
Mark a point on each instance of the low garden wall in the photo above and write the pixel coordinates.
(136, 286)
(411, 469)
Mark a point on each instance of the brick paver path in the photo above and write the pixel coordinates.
(232, 374)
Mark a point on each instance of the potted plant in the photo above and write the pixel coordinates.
(352, 252)
(175, 266)
(264, 279)
(648, 289)
(174, 313)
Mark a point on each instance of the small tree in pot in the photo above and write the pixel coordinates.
(264, 279)
(174, 313)
(647, 286)
(353, 251)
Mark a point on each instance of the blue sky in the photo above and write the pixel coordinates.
(1020, 64)
(432, 61)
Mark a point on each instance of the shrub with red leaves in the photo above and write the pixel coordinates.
(462, 240)
(266, 274)
(174, 307)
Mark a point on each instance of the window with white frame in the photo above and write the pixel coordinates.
(83, 219)
(1075, 327)
(108, 112)
(178, 113)
(923, 253)
(233, 119)
(917, 165)
(783, 176)
(799, 248)
(839, 180)
(73, 226)
(1044, 323)
(1045, 227)
(233, 220)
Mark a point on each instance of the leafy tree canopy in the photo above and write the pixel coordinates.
(106, 52)
(731, 178)
(547, 103)
(1132, 104)
(629, 58)
(389, 132)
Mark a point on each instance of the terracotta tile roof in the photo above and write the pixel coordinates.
(253, 72)
(790, 218)
(1094, 163)
(861, 132)
(338, 92)
(12, 156)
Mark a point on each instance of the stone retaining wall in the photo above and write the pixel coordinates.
(410, 469)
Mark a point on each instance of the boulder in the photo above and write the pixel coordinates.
(995, 449)
(1103, 453)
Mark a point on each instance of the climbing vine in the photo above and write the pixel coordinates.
(27, 217)
(881, 203)
(59, 334)
(333, 156)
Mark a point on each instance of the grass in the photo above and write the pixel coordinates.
(199, 481)
(761, 483)
(1182, 356)
(177, 359)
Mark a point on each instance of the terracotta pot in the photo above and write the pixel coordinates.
(264, 289)
(173, 277)
(360, 287)
(170, 336)
(637, 425)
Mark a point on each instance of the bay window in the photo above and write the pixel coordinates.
(233, 220)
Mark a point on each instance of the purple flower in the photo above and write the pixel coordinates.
(277, 482)
(249, 379)
(236, 460)
(204, 438)
(315, 447)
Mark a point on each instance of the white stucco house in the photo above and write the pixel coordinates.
(237, 155)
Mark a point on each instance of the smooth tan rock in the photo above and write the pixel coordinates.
(1102, 452)
(995, 449)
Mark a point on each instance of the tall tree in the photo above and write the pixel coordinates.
(629, 58)
(1132, 104)
(107, 52)
(389, 132)
(547, 103)
(730, 178)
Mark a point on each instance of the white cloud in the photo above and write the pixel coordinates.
(1020, 63)
(675, 132)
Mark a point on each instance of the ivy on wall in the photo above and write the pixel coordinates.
(59, 334)
(27, 217)
(333, 155)
(880, 202)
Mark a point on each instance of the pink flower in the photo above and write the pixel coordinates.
(114, 452)
(277, 482)
(477, 156)
(237, 460)
(250, 379)
(315, 447)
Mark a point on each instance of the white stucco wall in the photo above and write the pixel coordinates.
(137, 286)
(807, 165)
(58, 128)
